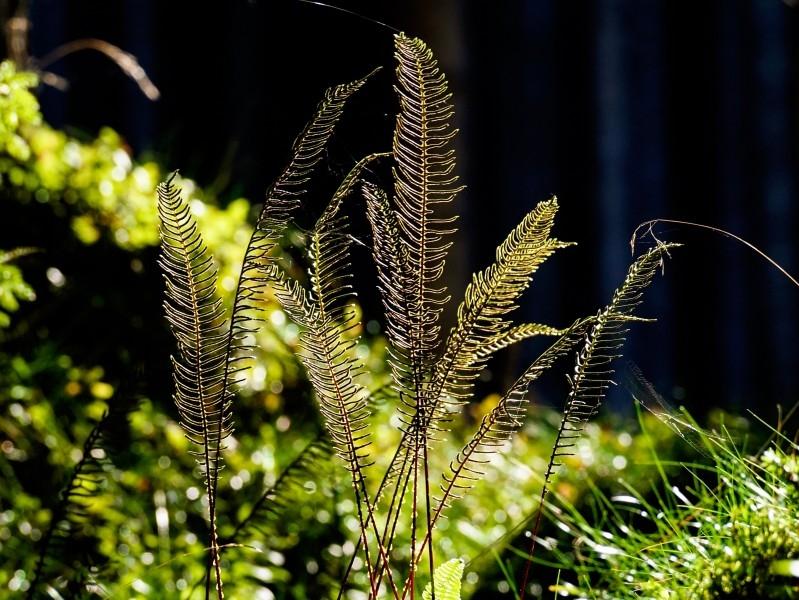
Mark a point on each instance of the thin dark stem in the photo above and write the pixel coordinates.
(208, 567)
(351, 13)
(392, 518)
(650, 224)
(380, 489)
(531, 553)
(429, 522)
(414, 501)
(369, 567)
(124, 60)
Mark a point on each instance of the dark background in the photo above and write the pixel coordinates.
(627, 110)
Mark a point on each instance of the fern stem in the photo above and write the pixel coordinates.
(186, 240)
(414, 499)
(651, 223)
(529, 563)
(392, 514)
(429, 534)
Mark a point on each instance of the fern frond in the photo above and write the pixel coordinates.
(327, 355)
(593, 372)
(270, 506)
(504, 420)
(593, 369)
(282, 200)
(481, 324)
(423, 181)
(513, 336)
(285, 193)
(201, 368)
(490, 296)
(347, 185)
(67, 550)
(326, 316)
(393, 280)
(447, 580)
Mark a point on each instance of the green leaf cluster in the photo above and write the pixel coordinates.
(13, 287)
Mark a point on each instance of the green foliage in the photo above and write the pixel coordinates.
(18, 109)
(13, 287)
(50, 400)
(96, 184)
(288, 517)
(447, 578)
(730, 531)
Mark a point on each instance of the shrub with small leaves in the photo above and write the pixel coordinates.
(13, 287)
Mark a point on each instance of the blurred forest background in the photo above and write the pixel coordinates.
(627, 111)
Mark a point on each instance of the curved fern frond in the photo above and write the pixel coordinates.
(393, 281)
(504, 420)
(272, 503)
(513, 336)
(327, 317)
(490, 296)
(593, 369)
(286, 191)
(327, 347)
(282, 200)
(67, 549)
(200, 369)
(345, 188)
(593, 372)
(482, 329)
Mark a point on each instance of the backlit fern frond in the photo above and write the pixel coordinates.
(504, 420)
(286, 191)
(593, 369)
(499, 425)
(482, 327)
(282, 200)
(447, 581)
(68, 561)
(348, 184)
(326, 355)
(393, 280)
(201, 366)
(490, 296)
(327, 345)
(423, 181)
(327, 316)
(514, 335)
(593, 372)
